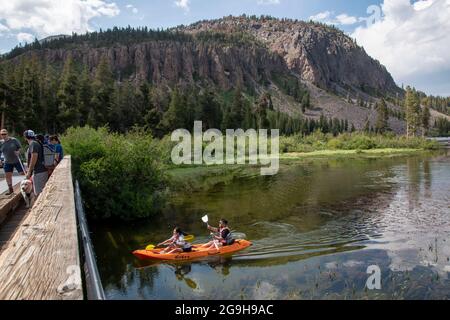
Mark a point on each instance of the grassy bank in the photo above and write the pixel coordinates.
(352, 141)
(358, 152)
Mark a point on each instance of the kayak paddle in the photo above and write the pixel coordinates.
(205, 218)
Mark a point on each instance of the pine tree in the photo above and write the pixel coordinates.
(12, 96)
(123, 113)
(381, 125)
(30, 108)
(84, 96)
(210, 110)
(425, 120)
(236, 115)
(151, 121)
(261, 110)
(152, 115)
(312, 126)
(336, 126)
(250, 121)
(226, 118)
(412, 108)
(49, 87)
(192, 108)
(174, 117)
(68, 113)
(103, 88)
(323, 124)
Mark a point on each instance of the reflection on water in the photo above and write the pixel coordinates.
(315, 228)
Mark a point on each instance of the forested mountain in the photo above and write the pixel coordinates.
(233, 72)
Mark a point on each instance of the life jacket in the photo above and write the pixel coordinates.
(228, 240)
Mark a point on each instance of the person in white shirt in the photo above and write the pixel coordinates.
(176, 243)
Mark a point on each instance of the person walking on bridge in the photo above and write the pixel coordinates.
(11, 151)
(36, 166)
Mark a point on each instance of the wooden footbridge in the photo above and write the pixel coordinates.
(45, 251)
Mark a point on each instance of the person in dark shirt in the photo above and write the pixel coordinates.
(36, 167)
(223, 236)
(11, 151)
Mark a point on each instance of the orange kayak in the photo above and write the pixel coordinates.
(197, 252)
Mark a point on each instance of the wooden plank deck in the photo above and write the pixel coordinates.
(41, 257)
(9, 227)
(9, 203)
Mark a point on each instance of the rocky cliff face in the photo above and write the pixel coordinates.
(171, 62)
(320, 54)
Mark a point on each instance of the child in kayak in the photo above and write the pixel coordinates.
(223, 238)
(176, 243)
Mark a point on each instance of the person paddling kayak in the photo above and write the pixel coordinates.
(224, 237)
(176, 243)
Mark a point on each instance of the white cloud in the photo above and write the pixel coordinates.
(321, 16)
(25, 37)
(329, 18)
(132, 8)
(345, 19)
(183, 4)
(50, 17)
(422, 4)
(268, 2)
(411, 39)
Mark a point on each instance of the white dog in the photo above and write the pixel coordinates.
(26, 189)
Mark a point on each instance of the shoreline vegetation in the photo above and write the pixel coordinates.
(353, 152)
(130, 176)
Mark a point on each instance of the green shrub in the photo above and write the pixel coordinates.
(121, 176)
(84, 144)
(360, 142)
(335, 144)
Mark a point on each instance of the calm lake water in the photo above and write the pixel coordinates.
(315, 228)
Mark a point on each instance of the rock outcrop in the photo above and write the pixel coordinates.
(172, 62)
(320, 54)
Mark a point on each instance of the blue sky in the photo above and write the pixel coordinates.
(388, 29)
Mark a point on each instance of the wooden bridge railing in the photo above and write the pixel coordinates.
(41, 260)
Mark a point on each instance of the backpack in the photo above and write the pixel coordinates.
(49, 156)
(229, 238)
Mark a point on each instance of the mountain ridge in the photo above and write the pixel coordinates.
(283, 58)
(321, 54)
